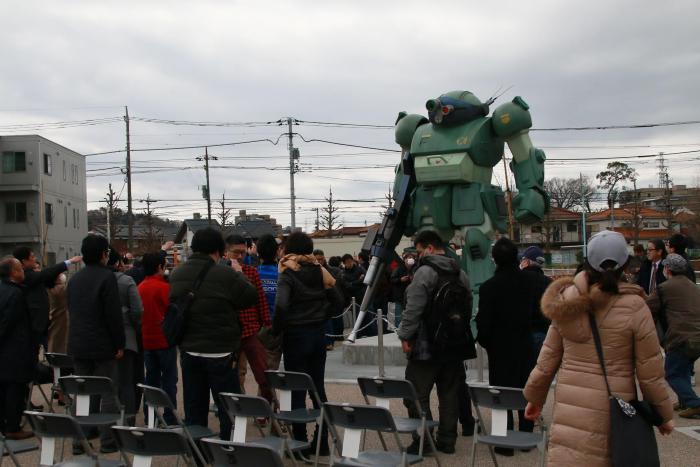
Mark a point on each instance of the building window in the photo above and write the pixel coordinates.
(64, 170)
(536, 229)
(65, 216)
(75, 225)
(572, 226)
(48, 166)
(14, 162)
(78, 211)
(48, 209)
(652, 225)
(16, 212)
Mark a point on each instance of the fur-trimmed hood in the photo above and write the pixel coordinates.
(568, 301)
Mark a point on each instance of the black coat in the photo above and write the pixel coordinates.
(35, 284)
(504, 328)
(302, 299)
(17, 355)
(96, 327)
(540, 283)
(644, 275)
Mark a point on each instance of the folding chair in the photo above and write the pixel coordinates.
(240, 408)
(147, 443)
(355, 419)
(500, 400)
(80, 388)
(50, 426)
(385, 389)
(227, 453)
(287, 381)
(10, 447)
(157, 401)
(59, 363)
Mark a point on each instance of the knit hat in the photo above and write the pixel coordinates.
(675, 263)
(607, 246)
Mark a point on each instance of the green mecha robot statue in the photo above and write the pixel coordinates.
(443, 182)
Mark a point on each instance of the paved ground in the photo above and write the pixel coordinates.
(677, 450)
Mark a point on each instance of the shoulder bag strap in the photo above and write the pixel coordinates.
(599, 348)
(201, 275)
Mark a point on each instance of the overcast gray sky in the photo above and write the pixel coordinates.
(600, 63)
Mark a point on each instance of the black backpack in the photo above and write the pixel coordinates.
(175, 319)
(448, 320)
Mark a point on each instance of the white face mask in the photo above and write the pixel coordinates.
(410, 262)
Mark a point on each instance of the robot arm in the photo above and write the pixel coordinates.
(511, 121)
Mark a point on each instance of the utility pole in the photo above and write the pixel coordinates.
(665, 183)
(207, 191)
(293, 168)
(317, 225)
(129, 212)
(511, 233)
(111, 201)
(150, 242)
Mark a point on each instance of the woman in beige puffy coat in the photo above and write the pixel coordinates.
(581, 426)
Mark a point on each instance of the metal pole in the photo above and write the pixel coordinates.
(480, 362)
(583, 209)
(380, 343)
(511, 227)
(129, 212)
(291, 172)
(206, 169)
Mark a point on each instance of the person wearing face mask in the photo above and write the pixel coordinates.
(531, 264)
(400, 278)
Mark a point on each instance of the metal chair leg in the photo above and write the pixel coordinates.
(473, 455)
(432, 445)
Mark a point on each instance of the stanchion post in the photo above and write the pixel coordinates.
(380, 342)
(480, 362)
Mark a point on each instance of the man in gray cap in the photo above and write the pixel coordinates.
(531, 263)
(679, 300)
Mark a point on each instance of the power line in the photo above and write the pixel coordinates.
(199, 146)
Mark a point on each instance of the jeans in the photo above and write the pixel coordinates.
(424, 374)
(161, 372)
(678, 371)
(398, 311)
(256, 355)
(201, 375)
(304, 351)
(13, 401)
(100, 404)
(130, 368)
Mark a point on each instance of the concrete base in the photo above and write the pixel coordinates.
(365, 351)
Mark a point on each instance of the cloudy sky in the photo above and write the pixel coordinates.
(598, 64)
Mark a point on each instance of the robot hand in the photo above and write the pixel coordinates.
(530, 206)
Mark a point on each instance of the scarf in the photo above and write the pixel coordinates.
(294, 263)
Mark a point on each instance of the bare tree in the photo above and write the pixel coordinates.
(389, 197)
(224, 213)
(610, 178)
(329, 217)
(569, 193)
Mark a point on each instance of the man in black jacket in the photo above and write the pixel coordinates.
(503, 325)
(652, 267)
(212, 336)
(677, 244)
(17, 358)
(96, 337)
(36, 283)
(531, 264)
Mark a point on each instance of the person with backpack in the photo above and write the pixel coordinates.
(504, 326)
(436, 337)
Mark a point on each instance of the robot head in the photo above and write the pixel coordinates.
(455, 107)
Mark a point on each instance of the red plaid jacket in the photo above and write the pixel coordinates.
(253, 318)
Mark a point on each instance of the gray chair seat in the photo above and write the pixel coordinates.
(86, 461)
(377, 459)
(411, 425)
(513, 439)
(275, 443)
(303, 415)
(99, 419)
(197, 432)
(19, 447)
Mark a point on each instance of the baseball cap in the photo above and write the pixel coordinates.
(534, 253)
(607, 246)
(675, 263)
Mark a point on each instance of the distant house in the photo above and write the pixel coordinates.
(560, 227)
(187, 230)
(652, 223)
(360, 231)
(143, 240)
(251, 230)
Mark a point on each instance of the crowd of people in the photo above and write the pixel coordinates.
(255, 305)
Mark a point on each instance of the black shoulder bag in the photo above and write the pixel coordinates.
(175, 319)
(632, 440)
